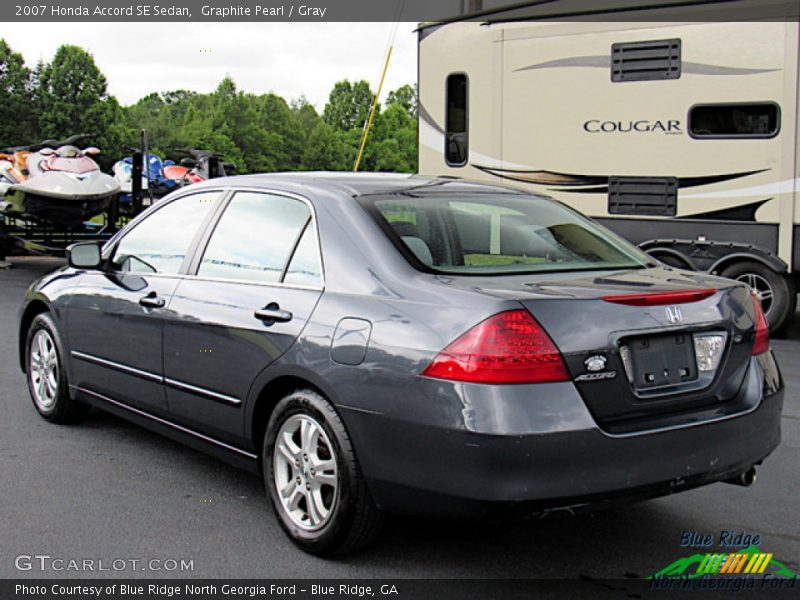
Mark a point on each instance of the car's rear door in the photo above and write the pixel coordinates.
(252, 288)
(116, 316)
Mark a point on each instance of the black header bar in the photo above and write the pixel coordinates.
(420, 11)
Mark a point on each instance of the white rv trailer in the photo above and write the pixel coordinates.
(681, 136)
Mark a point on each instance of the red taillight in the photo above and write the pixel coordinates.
(510, 347)
(761, 342)
(661, 298)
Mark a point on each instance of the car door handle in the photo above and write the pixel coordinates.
(272, 312)
(152, 301)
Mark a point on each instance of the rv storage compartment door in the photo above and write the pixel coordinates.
(654, 196)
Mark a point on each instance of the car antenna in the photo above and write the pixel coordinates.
(374, 107)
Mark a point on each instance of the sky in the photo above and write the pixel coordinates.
(289, 59)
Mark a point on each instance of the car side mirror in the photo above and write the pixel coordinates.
(84, 255)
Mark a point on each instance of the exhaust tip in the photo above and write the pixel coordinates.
(745, 479)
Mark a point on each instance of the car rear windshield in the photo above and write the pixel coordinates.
(497, 234)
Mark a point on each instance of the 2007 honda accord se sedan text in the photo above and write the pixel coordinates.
(397, 344)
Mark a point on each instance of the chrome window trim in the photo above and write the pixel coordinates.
(171, 424)
(276, 284)
(232, 191)
(190, 277)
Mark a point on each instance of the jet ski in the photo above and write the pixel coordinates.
(199, 166)
(10, 171)
(64, 185)
(154, 182)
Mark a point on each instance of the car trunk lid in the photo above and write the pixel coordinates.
(629, 339)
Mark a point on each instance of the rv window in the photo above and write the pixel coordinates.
(455, 151)
(735, 120)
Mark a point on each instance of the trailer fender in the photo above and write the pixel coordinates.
(770, 261)
(713, 257)
(671, 256)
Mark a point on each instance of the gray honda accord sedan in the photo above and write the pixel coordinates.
(400, 344)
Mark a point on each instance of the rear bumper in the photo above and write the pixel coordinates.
(486, 465)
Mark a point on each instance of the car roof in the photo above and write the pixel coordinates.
(357, 184)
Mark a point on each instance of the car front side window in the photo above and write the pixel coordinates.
(159, 243)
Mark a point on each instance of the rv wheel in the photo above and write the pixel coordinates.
(777, 292)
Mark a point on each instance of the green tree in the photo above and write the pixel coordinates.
(325, 150)
(348, 105)
(72, 97)
(286, 138)
(234, 115)
(392, 143)
(201, 130)
(305, 115)
(178, 97)
(304, 120)
(405, 96)
(16, 125)
(153, 114)
(264, 133)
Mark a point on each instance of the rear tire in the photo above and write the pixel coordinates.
(670, 260)
(314, 480)
(777, 292)
(47, 375)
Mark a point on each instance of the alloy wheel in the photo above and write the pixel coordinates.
(761, 287)
(305, 472)
(44, 370)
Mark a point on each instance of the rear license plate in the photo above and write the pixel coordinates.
(662, 361)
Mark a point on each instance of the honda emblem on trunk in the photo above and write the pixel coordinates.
(595, 363)
(673, 314)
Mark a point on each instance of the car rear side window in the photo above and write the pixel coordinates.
(486, 234)
(304, 267)
(159, 243)
(255, 237)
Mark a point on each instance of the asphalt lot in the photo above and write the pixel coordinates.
(106, 489)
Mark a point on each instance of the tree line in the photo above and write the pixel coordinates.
(259, 133)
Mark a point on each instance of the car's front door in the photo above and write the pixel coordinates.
(251, 292)
(116, 316)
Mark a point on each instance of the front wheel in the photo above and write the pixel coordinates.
(776, 292)
(47, 377)
(314, 480)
